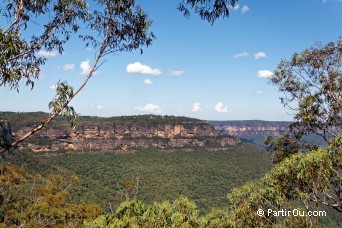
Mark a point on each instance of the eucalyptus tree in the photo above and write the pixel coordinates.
(312, 85)
(311, 82)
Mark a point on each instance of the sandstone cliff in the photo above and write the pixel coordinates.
(123, 133)
(251, 127)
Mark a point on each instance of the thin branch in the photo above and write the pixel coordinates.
(111, 209)
(15, 22)
(136, 187)
(120, 189)
(56, 113)
(37, 44)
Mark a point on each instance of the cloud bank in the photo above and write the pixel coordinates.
(220, 107)
(47, 54)
(149, 108)
(241, 54)
(196, 107)
(140, 68)
(245, 9)
(85, 67)
(148, 82)
(260, 55)
(176, 73)
(264, 74)
(69, 67)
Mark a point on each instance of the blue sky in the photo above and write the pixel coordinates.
(192, 69)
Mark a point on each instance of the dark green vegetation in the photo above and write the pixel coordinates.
(21, 119)
(203, 176)
(33, 201)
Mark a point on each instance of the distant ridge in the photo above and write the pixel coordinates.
(251, 127)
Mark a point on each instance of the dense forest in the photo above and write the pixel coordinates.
(84, 186)
(21, 119)
(203, 176)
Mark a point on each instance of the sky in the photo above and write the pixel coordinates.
(193, 69)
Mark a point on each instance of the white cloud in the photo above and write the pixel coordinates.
(260, 55)
(47, 53)
(139, 68)
(220, 107)
(100, 107)
(196, 107)
(245, 9)
(264, 74)
(150, 107)
(85, 67)
(241, 54)
(176, 72)
(259, 92)
(69, 66)
(148, 82)
(53, 86)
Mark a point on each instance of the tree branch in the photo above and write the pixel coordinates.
(56, 113)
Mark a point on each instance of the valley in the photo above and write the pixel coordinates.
(150, 158)
(172, 156)
(203, 176)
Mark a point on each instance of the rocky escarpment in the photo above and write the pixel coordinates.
(124, 133)
(251, 127)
